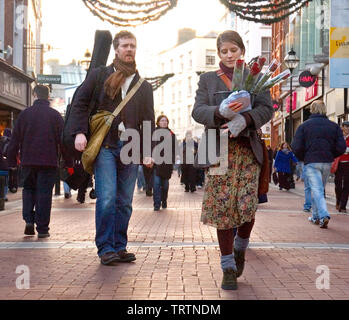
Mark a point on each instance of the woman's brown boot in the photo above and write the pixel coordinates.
(229, 281)
(240, 261)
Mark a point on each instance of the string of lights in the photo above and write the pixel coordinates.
(129, 13)
(266, 12)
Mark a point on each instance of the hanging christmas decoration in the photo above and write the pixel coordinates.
(129, 13)
(157, 82)
(266, 12)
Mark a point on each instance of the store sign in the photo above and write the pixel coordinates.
(312, 91)
(339, 44)
(49, 79)
(12, 88)
(294, 102)
(306, 79)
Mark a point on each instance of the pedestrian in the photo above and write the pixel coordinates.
(307, 191)
(37, 138)
(317, 142)
(148, 177)
(178, 165)
(67, 190)
(115, 179)
(163, 168)
(230, 200)
(270, 160)
(81, 197)
(283, 167)
(4, 169)
(341, 179)
(140, 180)
(189, 149)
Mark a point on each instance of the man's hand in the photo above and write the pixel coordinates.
(80, 142)
(148, 162)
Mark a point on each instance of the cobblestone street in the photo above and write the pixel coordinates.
(177, 256)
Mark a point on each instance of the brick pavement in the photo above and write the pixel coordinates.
(177, 257)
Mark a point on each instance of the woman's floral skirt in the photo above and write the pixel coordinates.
(231, 199)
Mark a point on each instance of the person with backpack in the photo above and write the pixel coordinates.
(37, 137)
(114, 178)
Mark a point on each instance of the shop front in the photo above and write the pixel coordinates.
(15, 94)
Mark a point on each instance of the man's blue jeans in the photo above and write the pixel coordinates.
(115, 183)
(317, 175)
(160, 190)
(307, 193)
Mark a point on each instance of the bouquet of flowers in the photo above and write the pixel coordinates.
(253, 84)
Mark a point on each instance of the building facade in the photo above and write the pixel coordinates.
(17, 62)
(307, 32)
(176, 97)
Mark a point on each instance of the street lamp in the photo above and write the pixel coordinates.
(291, 62)
(86, 63)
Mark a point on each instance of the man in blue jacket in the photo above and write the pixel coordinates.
(317, 142)
(37, 136)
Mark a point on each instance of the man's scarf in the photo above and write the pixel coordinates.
(112, 85)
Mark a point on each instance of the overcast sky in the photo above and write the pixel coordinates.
(70, 27)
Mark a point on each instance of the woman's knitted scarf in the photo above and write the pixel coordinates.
(112, 85)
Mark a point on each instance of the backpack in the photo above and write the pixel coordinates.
(68, 140)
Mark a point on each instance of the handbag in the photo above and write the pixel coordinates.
(334, 166)
(100, 124)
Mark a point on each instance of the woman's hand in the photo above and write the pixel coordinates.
(235, 106)
(235, 125)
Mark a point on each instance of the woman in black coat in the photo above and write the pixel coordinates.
(163, 162)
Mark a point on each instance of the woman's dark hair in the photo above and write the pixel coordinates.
(160, 117)
(230, 36)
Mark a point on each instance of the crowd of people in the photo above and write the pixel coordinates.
(230, 199)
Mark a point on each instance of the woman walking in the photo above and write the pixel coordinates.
(163, 171)
(342, 174)
(283, 166)
(230, 200)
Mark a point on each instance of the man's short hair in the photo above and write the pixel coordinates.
(122, 34)
(42, 92)
(318, 107)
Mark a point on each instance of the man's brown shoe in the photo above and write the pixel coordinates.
(124, 256)
(108, 258)
(29, 229)
(229, 281)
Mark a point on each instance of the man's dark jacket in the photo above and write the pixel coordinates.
(318, 140)
(37, 135)
(140, 107)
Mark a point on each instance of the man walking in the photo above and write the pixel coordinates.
(115, 180)
(317, 142)
(37, 136)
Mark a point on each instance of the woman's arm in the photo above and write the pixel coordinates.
(202, 112)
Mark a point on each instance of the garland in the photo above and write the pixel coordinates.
(129, 13)
(157, 82)
(266, 12)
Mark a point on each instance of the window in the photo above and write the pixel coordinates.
(181, 64)
(2, 25)
(179, 91)
(190, 61)
(189, 116)
(162, 94)
(171, 65)
(190, 89)
(210, 57)
(266, 49)
(173, 93)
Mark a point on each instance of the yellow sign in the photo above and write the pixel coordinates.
(339, 42)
